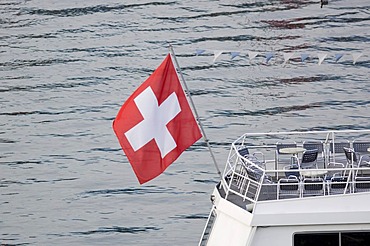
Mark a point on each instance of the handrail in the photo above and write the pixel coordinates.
(249, 188)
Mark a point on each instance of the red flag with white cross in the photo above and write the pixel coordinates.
(156, 124)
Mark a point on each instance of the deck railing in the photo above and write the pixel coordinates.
(258, 172)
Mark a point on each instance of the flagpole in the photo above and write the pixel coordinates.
(195, 112)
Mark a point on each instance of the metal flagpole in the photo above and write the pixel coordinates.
(195, 112)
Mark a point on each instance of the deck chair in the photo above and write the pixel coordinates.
(362, 184)
(282, 157)
(331, 173)
(250, 170)
(254, 173)
(354, 159)
(337, 147)
(243, 151)
(361, 147)
(351, 156)
(309, 159)
(253, 156)
(313, 187)
(288, 188)
(319, 145)
(336, 151)
(338, 185)
(361, 150)
(291, 170)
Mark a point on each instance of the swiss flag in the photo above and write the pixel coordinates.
(155, 125)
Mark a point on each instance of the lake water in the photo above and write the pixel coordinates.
(66, 67)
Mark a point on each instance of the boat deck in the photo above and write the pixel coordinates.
(296, 165)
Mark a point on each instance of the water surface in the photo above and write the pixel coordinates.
(67, 67)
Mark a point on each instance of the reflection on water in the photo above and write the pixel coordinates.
(67, 67)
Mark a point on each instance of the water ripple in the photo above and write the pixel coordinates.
(291, 108)
(82, 110)
(87, 82)
(118, 229)
(71, 12)
(130, 191)
(191, 216)
(30, 63)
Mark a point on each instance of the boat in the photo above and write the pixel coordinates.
(301, 188)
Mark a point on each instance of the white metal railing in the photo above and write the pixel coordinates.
(250, 181)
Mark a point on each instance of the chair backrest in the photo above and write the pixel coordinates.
(243, 151)
(313, 184)
(288, 187)
(332, 173)
(362, 184)
(309, 157)
(280, 146)
(254, 174)
(313, 187)
(337, 147)
(350, 155)
(360, 146)
(338, 184)
(314, 145)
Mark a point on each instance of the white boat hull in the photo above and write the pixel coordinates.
(276, 222)
(319, 194)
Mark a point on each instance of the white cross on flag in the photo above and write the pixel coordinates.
(155, 125)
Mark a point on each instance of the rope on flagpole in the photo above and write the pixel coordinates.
(195, 111)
